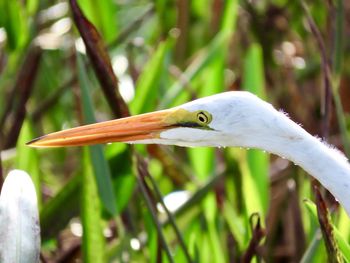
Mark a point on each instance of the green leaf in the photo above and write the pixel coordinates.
(93, 240)
(27, 159)
(32, 6)
(175, 94)
(15, 22)
(343, 223)
(149, 80)
(124, 181)
(202, 159)
(103, 15)
(341, 242)
(99, 162)
(258, 161)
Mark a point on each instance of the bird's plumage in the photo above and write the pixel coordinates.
(226, 119)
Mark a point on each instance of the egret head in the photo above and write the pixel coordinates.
(212, 121)
(226, 119)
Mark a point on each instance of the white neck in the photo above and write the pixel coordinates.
(326, 164)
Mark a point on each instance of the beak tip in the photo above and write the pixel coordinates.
(33, 143)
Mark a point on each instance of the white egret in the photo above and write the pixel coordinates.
(228, 119)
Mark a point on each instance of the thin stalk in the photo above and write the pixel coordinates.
(26, 83)
(342, 123)
(154, 217)
(170, 218)
(336, 70)
(52, 99)
(134, 25)
(325, 66)
(310, 251)
(332, 78)
(198, 196)
(339, 39)
(142, 184)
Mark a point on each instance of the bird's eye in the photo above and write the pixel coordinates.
(203, 117)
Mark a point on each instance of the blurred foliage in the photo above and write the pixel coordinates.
(294, 54)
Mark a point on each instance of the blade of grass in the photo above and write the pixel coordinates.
(170, 218)
(100, 165)
(311, 250)
(133, 26)
(258, 161)
(343, 224)
(202, 159)
(151, 208)
(217, 49)
(236, 225)
(198, 196)
(332, 80)
(338, 52)
(15, 22)
(93, 240)
(251, 202)
(146, 93)
(27, 159)
(338, 238)
(103, 15)
(337, 71)
(327, 228)
(124, 181)
(175, 94)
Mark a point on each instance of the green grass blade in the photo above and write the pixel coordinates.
(27, 159)
(313, 247)
(99, 162)
(202, 159)
(343, 245)
(149, 80)
(216, 51)
(93, 240)
(254, 82)
(15, 23)
(124, 182)
(343, 224)
(175, 94)
(103, 15)
(236, 225)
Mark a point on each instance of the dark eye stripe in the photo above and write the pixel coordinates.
(192, 125)
(189, 125)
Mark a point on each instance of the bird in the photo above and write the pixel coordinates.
(228, 119)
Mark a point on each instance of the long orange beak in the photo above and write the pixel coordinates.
(140, 127)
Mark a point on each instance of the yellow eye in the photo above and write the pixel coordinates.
(203, 117)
